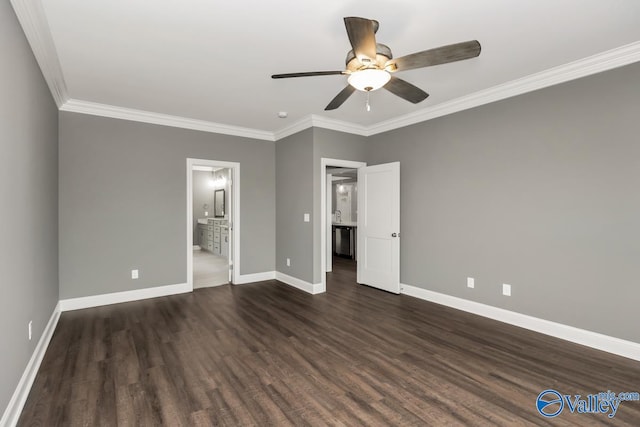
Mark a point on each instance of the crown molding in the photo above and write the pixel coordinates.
(339, 125)
(314, 120)
(297, 126)
(31, 16)
(105, 110)
(604, 61)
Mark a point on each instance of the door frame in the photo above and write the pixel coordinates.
(234, 217)
(327, 233)
(324, 163)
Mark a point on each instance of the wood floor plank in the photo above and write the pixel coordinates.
(267, 354)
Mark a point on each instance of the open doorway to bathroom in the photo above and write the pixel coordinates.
(213, 211)
(211, 239)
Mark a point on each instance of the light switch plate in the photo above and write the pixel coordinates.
(471, 283)
(506, 289)
(134, 274)
(306, 217)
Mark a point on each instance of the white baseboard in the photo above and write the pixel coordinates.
(125, 296)
(14, 409)
(255, 277)
(595, 340)
(312, 288)
(319, 288)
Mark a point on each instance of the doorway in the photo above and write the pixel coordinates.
(338, 218)
(211, 195)
(212, 222)
(342, 184)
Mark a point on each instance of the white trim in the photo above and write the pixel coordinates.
(339, 125)
(234, 224)
(255, 277)
(314, 120)
(569, 333)
(203, 169)
(302, 124)
(34, 23)
(327, 267)
(311, 288)
(104, 110)
(124, 296)
(324, 162)
(14, 409)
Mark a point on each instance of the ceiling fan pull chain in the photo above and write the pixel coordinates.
(368, 105)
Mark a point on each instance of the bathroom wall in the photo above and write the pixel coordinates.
(202, 195)
(348, 196)
(217, 176)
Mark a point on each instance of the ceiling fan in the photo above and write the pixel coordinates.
(370, 65)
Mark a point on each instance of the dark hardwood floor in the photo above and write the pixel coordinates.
(268, 354)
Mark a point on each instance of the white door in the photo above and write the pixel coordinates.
(379, 226)
(329, 225)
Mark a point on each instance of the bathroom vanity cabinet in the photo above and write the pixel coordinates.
(214, 236)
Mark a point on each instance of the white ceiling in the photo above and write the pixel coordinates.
(212, 60)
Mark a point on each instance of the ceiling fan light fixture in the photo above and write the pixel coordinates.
(369, 79)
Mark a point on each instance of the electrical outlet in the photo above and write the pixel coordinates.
(506, 289)
(134, 274)
(471, 283)
(30, 329)
(288, 262)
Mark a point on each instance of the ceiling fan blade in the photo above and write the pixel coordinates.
(437, 56)
(361, 32)
(307, 74)
(405, 90)
(340, 98)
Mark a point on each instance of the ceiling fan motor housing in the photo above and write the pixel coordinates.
(383, 54)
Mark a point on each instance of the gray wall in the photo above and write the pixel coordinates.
(538, 191)
(123, 202)
(294, 198)
(29, 208)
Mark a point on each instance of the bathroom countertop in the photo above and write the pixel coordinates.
(205, 221)
(345, 224)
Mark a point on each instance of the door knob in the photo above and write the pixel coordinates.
(394, 234)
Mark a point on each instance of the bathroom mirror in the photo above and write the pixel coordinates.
(218, 204)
